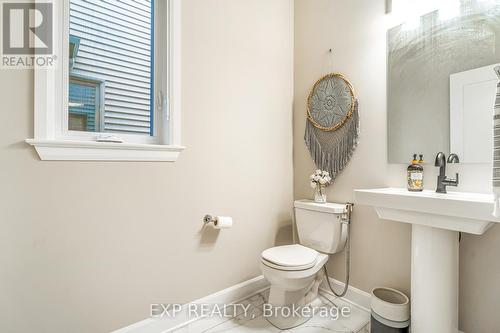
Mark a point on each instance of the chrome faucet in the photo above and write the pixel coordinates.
(442, 180)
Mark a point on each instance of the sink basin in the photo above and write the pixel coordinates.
(457, 211)
(436, 220)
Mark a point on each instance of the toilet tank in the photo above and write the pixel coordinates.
(320, 226)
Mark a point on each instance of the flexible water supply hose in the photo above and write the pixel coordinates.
(348, 257)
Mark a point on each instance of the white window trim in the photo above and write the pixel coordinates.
(53, 143)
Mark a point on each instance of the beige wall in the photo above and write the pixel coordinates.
(86, 247)
(356, 30)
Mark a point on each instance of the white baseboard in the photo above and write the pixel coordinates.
(232, 295)
(235, 294)
(227, 296)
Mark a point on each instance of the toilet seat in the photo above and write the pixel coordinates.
(290, 257)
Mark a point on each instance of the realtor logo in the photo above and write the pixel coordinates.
(27, 34)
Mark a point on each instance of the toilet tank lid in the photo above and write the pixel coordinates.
(329, 207)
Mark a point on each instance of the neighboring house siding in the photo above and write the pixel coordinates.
(115, 46)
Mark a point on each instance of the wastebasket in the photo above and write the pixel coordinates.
(390, 311)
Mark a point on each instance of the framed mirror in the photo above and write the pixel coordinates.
(441, 84)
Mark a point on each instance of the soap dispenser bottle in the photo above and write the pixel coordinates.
(416, 175)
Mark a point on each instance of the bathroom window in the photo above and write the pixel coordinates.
(115, 93)
(114, 42)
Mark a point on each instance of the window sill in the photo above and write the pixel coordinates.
(65, 150)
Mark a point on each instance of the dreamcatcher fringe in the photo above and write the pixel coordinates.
(331, 151)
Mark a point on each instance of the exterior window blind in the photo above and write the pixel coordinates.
(84, 106)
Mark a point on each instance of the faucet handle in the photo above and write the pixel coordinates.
(451, 182)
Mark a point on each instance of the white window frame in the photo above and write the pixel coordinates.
(53, 141)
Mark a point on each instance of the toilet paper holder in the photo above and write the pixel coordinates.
(218, 222)
(210, 219)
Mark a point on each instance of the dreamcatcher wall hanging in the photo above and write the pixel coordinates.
(332, 129)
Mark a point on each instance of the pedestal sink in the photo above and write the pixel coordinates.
(436, 221)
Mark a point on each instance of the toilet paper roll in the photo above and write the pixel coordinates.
(223, 222)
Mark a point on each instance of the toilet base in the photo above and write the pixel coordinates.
(287, 309)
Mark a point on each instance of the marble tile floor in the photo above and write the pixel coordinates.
(253, 320)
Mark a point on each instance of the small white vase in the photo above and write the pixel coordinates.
(320, 195)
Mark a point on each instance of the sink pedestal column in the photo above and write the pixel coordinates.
(436, 219)
(434, 280)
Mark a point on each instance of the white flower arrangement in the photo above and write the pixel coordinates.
(320, 179)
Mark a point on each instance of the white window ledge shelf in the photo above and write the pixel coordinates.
(65, 150)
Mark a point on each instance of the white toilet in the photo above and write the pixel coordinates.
(295, 271)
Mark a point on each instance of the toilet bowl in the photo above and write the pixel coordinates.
(295, 271)
(289, 277)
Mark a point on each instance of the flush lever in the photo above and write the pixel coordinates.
(346, 218)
